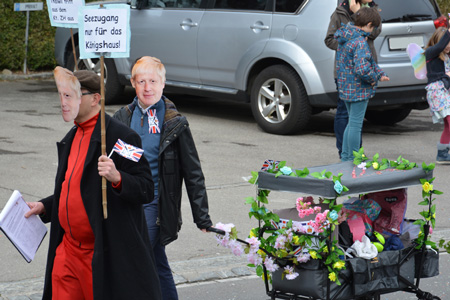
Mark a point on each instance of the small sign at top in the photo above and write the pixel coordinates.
(28, 6)
(64, 13)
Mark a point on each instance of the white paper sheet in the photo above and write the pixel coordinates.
(25, 234)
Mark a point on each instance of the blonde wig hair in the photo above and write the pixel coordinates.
(147, 63)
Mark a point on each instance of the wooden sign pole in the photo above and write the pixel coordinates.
(103, 131)
(74, 52)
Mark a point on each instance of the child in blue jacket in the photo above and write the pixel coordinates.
(357, 74)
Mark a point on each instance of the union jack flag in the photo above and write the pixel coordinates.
(153, 123)
(269, 164)
(128, 151)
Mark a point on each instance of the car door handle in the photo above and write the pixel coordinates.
(260, 27)
(189, 24)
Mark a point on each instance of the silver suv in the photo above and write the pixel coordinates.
(270, 53)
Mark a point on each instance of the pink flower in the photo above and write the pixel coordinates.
(320, 218)
(270, 264)
(225, 227)
(280, 242)
(253, 243)
(298, 227)
(290, 274)
(254, 258)
(303, 257)
(301, 214)
(236, 248)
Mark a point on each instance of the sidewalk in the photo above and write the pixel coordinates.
(185, 272)
(189, 271)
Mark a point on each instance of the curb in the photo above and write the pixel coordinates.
(44, 75)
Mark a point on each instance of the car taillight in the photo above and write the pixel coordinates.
(441, 22)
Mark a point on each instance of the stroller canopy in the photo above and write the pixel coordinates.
(357, 180)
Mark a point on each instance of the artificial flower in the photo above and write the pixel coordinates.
(313, 254)
(254, 258)
(280, 242)
(270, 264)
(427, 187)
(333, 215)
(254, 243)
(290, 274)
(303, 257)
(338, 187)
(332, 276)
(362, 165)
(339, 265)
(375, 165)
(286, 170)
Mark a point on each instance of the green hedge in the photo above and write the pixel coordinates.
(444, 5)
(40, 54)
(41, 36)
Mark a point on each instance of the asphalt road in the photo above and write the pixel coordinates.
(230, 146)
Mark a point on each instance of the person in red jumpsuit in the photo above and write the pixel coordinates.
(91, 257)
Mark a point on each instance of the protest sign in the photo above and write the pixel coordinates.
(64, 13)
(104, 31)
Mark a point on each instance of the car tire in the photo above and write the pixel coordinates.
(113, 88)
(387, 117)
(279, 101)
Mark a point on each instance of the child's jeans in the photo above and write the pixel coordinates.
(352, 134)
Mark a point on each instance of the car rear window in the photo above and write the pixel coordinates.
(407, 11)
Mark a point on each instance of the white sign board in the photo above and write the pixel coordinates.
(104, 31)
(29, 6)
(64, 13)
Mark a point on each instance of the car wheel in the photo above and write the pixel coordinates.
(387, 117)
(113, 88)
(279, 101)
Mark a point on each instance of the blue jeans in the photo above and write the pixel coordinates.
(168, 289)
(340, 123)
(352, 133)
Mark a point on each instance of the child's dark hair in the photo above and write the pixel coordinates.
(365, 15)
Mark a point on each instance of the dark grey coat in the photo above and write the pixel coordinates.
(178, 160)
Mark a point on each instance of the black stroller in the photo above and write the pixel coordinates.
(389, 271)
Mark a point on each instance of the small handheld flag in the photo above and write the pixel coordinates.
(128, 151)
(270, 164)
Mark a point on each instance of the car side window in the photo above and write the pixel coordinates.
(241, 5)
(288, 6)
(175, 3)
